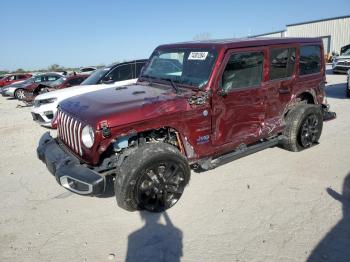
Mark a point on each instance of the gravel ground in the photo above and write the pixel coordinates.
(270, 206)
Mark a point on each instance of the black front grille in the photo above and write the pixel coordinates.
(344, 63)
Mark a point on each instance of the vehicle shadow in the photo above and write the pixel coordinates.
(155, 241)
(336, 91)
(335, 246)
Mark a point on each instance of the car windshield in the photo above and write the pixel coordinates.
(185, 66)
(347, 52)
(96, 76)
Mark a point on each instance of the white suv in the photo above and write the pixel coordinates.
(45, 105)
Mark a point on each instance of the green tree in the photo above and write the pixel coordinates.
(20, 70)
(54, 67)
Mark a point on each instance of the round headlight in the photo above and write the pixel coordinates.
(88, 136)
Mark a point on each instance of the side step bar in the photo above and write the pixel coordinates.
(242, 152)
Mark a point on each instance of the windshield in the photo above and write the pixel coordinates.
(185, 66)
(96, 76)
(347, 52)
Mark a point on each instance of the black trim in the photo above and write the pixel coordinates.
(61, 164)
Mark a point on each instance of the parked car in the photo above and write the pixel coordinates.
(87, 70)
(212, 103)
(348, 84)
(344, 49)
(13, 78)
(341, 64)
(45, 105)
(60, 83)
(18, 90)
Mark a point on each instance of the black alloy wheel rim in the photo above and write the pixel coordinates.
(309, 131)
(160, 186)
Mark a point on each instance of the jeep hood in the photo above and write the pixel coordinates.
(125, 105)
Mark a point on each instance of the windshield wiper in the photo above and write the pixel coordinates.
(149, 79)
(175, 87)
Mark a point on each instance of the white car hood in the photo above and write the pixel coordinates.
(78, 90)
(342, 57)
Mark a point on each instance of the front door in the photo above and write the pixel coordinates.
(239, 104)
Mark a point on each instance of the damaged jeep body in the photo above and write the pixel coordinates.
(196, 104)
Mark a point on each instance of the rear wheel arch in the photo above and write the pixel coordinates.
(300, 99)
(306, 96)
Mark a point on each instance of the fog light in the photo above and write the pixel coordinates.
(48, 113)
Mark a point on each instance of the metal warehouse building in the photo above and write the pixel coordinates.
(335, 32)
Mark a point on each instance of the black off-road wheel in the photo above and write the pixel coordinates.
(152, 178)
(303, 127)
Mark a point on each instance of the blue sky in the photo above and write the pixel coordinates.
(38, 33)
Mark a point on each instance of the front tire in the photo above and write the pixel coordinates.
(303, 127)
(152, 178)
(20, 94)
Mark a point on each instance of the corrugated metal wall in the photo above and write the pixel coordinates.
(278, 34)
(337, 29)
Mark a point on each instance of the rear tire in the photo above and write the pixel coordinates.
(152, 178)
(303, 127)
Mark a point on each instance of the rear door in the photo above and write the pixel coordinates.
(279, 87)
(239, 108)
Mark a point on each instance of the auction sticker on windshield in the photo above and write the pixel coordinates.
(197, 56)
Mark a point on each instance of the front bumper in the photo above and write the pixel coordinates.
(4, 92)
(43, 115)
(68, 170)
(10, 92)
(341, 67)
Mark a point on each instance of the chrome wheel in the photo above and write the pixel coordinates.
(20, 94)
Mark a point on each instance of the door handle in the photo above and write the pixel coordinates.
(283, 91)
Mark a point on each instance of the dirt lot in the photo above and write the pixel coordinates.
(270, 206)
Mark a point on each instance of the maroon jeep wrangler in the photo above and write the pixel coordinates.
(196, 105)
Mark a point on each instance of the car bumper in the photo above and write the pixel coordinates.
(328, 115)
(7, 93)
(341, 68)
(43, 115)
(67, 169)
